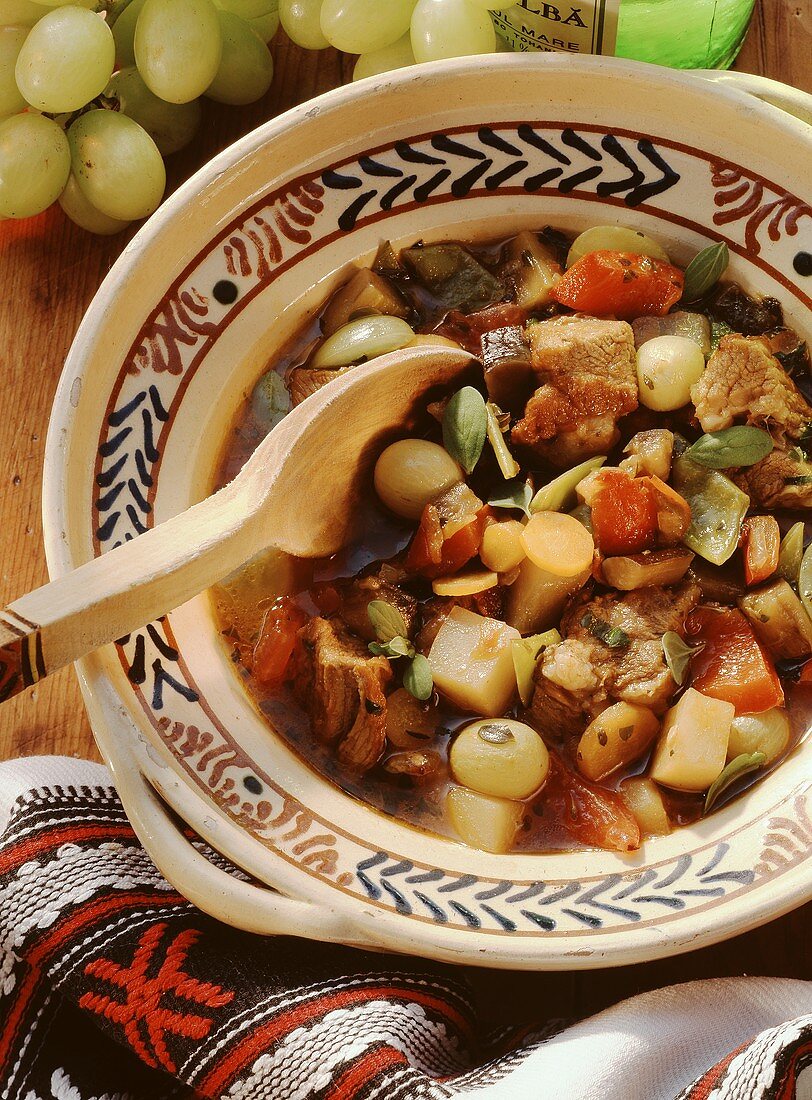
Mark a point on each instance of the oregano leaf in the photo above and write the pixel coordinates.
(739, 766)
(705, 270)
(465, 425)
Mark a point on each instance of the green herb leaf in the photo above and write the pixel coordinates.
(394, 648)
(791, 552)
(739, 766)
(417, 678)
(705, 270)
(678, 654)
(612, 636)
(525, 653)
(739, 446)
(465, 425)
(517, 494)
(387, 621)
(494, 733)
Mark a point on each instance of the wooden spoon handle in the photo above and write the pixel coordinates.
(118, 592)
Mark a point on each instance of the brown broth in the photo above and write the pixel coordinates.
(422, 805)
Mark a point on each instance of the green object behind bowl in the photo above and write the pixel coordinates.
(684, 34)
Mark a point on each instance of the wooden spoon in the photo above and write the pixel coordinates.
(297, 492)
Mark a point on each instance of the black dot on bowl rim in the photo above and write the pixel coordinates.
(803, 263)
(225, 292)
(252, 784)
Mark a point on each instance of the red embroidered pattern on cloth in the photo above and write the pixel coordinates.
(112, 985)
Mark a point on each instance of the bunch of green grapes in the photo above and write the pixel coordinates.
(95, 93)
(390, 34)
(91, 101)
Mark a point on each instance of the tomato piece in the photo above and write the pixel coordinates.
(760, 540)
(733, 665)
(460, 548)
(624, 514)
(426, 549)
(592, 815)
(621, 284)
(432, 555)
(273, 653)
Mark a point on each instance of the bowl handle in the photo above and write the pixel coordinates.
(792, 100)
(249, 906)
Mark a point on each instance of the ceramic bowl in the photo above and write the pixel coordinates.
(201, 299)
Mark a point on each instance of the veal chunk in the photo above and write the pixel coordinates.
(781, 480)
(587, 370)
(743, 380)
(578, 678)
(342, 688)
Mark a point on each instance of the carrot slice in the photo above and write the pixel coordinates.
(558, 543)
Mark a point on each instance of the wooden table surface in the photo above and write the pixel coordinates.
(50, 270)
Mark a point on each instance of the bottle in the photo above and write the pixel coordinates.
(685, 34)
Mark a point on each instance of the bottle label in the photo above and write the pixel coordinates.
(561, 27)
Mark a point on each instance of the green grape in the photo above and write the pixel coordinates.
(117, 165)
(34, 164)
(124, 32)
(359, 26)
(249, 9)
(450, 28)
(266, 26)
(246, 66)
(66, 60)
(90, 4)
(11, 41)
(84, 214)
(177, 47)
(20, 13)
(396, 56)
(170, 125)
(301, 22)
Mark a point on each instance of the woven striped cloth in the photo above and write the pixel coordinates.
(113, 987)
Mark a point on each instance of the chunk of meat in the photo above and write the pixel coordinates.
(781, 480)
(744, 380)
(342, 687)
(358, 593)
(589, 380)
(582, 674)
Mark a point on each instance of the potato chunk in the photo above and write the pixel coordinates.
(619, 735)
(482, 821)
(505, 758)
(646, 803)
(472, 662)
(692, 748)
